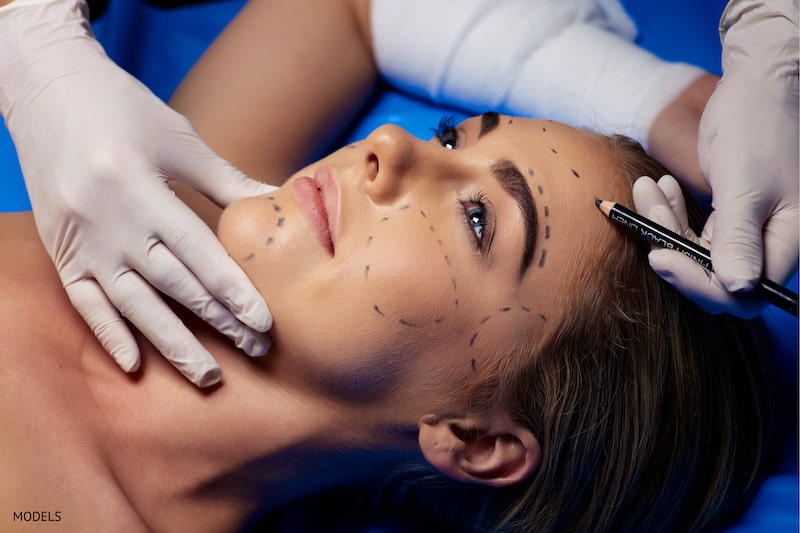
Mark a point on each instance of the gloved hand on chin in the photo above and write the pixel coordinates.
(96, 149)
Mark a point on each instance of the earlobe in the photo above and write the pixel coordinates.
(490, 450)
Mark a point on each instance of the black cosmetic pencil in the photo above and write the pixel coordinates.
(769, 291)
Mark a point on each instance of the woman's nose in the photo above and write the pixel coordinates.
(391, 159)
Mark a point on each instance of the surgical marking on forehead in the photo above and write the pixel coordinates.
(547, 210)
(438, 319)
(249, 256)
(378, 310)
(472, 365)
(547, 232)
(544, 318)
(440, 242)
(421, 212)
(472, 341)
(554, 150)
(446, 258)
(485, 319)
(539, 188)
(544, 129)
(277, 208)
(408, 324)
(366, 272)
(281, 221)
(432, 228)
(351, 146)
(270, 197)
(504, 309)
(404, 207)
(270, 240)
(453, 280)
(526, 309)
(384, 219)
(369, 240)
(542, 257)
(455, 302)
(575, 173)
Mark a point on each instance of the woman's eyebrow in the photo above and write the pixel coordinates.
(514, 183)
(489, 121)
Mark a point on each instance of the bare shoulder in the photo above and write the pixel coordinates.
(53, 471)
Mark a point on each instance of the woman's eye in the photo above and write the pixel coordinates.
(476, 219)
(446, 132)
(449, 138)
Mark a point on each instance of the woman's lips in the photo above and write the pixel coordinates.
(318, 199)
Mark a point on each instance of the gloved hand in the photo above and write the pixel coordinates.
(748, 150)
(96, 149)
(664, 204)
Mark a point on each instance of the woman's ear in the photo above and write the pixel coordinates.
(492, 450)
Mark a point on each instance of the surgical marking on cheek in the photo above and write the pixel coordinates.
(440, 243)
(544, 318)
(530, 172)
(505, 309)
(438, 319)
(547, 232)
(270, 197)
(432, 228)
(539, 188)
(366, 272)
(526, 309)
(542, 257)
(277, 208)
(575, 173)
(384, 219)
(377, 310)
(281, 221)
(485, 319)
(472, 365)
(472, 342)
(270, 240)
(455, 287)
(369, 240)
(511, 121)
(249, 256)
(547, 210)
(455, 302)
(421, 212)
(408, 324)
(554, 150)
(446, 258)
(404, 207)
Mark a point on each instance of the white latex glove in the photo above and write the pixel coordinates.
(748, 149)
(664, 204)
(96, 149)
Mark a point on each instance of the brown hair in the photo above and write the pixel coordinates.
(652, 414)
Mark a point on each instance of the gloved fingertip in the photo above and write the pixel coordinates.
(253, 343)
(208, 378)
(127, 359)
(659, 260)
(257, 317)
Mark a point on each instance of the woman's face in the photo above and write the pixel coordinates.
(397, 261)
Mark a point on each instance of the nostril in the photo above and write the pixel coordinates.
(371, 169)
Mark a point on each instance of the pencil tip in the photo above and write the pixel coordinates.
(597, 202)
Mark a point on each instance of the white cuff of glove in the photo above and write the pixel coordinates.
(25, 65)
(568, 61)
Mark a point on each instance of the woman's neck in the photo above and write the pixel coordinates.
(252, 442)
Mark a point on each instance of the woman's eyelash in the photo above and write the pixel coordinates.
(477, 218)
(446, 132)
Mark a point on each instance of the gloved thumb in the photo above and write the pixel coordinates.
(737, 243)
(192, 162)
